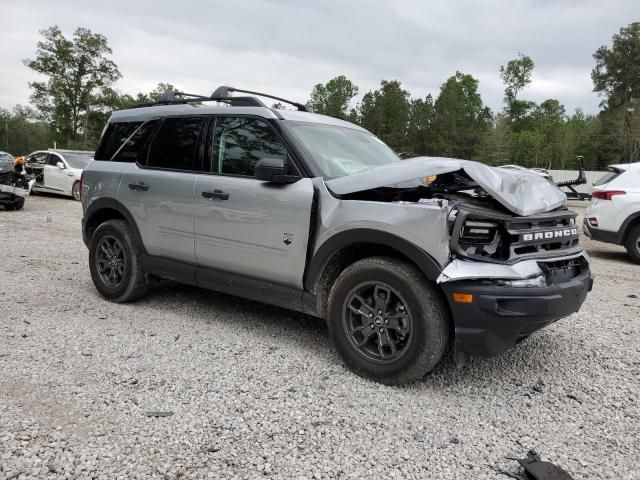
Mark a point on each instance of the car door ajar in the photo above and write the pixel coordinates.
(158, 188)
(244, 225)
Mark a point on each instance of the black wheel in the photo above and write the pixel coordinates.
(114, 262)
(632, 243)
(75, 190)
(387, 321)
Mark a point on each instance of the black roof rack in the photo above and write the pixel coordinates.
(221, 94)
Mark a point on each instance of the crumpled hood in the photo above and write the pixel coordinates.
(522, 192)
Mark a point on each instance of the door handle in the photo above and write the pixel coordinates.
(139, 186)
(216, 194)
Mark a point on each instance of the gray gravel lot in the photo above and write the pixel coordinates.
(256, 391)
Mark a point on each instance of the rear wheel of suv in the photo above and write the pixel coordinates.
(632, 243)
(387, 321)
(114, 262)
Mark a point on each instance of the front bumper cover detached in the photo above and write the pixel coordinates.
(501, 316)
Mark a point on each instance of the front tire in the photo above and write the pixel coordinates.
(114, 262)
(387, 321)
(632, 244)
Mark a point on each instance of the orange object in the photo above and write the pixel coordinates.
(462, 298)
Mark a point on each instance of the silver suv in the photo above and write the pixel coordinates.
(315, 214)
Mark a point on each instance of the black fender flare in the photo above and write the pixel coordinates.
(625, 227)
(109, 204)
(421, 259)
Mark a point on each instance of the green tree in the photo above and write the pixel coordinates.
(385, 112)
(76, 72)
(421, 114)
(21, 133)
(333, 98)
(616, 76)
(460, 118)
(516, 75)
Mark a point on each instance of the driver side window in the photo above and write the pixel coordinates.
(240, 142)
(53, 160)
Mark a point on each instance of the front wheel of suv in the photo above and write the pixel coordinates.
(387, 321)
(114, 262)
(632, 243)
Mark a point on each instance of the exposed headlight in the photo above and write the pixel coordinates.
(478, 233)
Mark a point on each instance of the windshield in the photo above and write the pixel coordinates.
(77, 160)
(340, 151)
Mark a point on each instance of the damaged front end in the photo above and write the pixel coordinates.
(14, 187)
(514, 264)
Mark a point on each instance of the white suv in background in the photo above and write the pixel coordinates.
(614, 213)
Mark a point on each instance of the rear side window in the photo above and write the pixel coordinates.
(175, 145)
(114, 136)
(241, 142)
(133, 149)
(609, 176)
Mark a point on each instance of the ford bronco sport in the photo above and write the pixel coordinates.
(318, 215)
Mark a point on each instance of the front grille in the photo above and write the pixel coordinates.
(509, 239)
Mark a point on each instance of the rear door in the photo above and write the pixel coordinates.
(158, 188)
(244, 225)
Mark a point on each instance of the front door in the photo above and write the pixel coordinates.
(55, 178)
(243, 225)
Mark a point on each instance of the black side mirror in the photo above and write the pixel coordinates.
(273, 170)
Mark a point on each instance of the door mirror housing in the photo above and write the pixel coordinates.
(60, 165)
(273, 170)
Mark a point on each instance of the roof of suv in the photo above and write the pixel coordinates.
(158, 111)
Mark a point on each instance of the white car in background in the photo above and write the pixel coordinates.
(58, 171)
(614, 213)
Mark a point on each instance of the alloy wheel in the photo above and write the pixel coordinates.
(110, 261)
(377, 322)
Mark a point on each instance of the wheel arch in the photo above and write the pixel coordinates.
(105, 209)
(345, 248)
(630, 222)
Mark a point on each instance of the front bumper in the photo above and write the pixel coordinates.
(499, 316)
(598, 234)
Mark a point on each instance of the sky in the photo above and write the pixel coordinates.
(285, 47)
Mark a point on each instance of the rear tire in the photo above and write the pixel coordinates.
(414, 319)
(632, 243)
(115, 262)
(75, 190)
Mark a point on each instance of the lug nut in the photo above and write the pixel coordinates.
(372, 326)
(379, 312)
(381, 330)
(371, 315)
(386, 321)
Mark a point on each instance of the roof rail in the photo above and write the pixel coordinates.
(220, 94)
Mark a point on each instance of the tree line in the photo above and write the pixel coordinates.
(72, 103)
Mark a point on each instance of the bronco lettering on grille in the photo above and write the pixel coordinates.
(550, 234)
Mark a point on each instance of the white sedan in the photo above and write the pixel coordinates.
(58, 171)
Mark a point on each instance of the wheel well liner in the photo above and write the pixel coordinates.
(107, 209)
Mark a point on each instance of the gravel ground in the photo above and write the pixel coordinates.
(244, 390)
